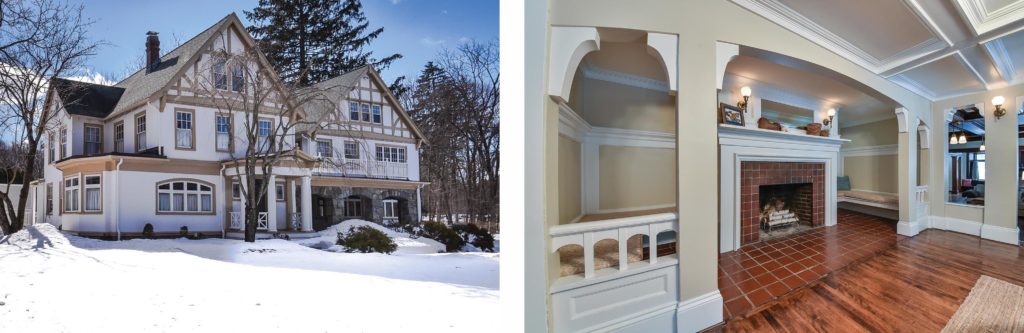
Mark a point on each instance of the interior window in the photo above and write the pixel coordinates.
(965, 156)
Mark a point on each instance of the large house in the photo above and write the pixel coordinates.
(773, 165)
(152, 149)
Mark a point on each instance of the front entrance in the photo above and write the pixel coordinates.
(323, 212)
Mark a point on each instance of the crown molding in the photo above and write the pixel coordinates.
(1001, 57)
(982, 21)
(775, 11)
(600, 74)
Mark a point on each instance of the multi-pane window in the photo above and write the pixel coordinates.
(119, 137)
(220, 76)
(71, 194)
(51, 145)
(183, 129)
(263, 135)
(376, 114)
(93, 139)
(237, 81)
(324, 148)
(236, 191)
(353, 206)
(93, 194)
(365, 111)
(140, 133)
(223, 132)
(390, 209)
(63, 142)
(351, 150)
(182, 196)
(279, 191)
(353, 111)
(49, 198)
(391, 154)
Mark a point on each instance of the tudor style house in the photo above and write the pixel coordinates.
(151, 150)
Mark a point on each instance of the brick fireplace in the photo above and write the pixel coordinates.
(800, 184)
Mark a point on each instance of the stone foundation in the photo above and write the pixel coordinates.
(372, 202)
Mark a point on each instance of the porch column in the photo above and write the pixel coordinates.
(907, 173)
(272, 203)
(307, 204)
(289, 200)
(242, 182)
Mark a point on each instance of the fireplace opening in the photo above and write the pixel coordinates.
(785, 209)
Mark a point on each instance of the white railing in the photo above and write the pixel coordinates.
(361, 167)
(238, 221)
(921, 194)
(296, 221)
(586, 234)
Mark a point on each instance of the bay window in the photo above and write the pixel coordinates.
(93, 194)
(71, 193)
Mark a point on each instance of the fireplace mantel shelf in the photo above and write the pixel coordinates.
(733, 130)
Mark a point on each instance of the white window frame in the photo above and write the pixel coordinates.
(52, 146)
(353, 111)
(329, 150)
(140, 131)
(49, 198)
(220, 74)
(223, 138)
(184, 124)
(119, 137)
(279, 191)
(264, 142)
(85, 193)
(391, 154)
(351, 149)
(186, 192)
(72, 194)
(237, 77)
(390, 208)
(375, 114)
(364, 110)
(63, 142)
(96, 141)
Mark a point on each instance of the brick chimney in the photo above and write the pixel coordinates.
(152, 50)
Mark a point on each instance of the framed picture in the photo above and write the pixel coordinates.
(730, 114)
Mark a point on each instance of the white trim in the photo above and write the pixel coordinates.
(630, 209)
(973, 228)
(777, 12)
(902, 122)
(982, 21)
(664, 47)
(924, 136)
(909, 229)
(1001, 58)
(1000, 234)
(866, 120)
(700, 312)
(570, 123)
(974, 71)
(568, 45)
(621, 137)
(913, 86)
(870, 151)
(626, 79)
(724, 53)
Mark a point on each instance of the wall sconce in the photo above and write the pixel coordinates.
(998, 102)
(831, 114)
(745, 91)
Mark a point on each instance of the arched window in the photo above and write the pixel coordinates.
(184, 197)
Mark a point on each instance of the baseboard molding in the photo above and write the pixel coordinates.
(909, 228)
(986, 231)
(700, 312)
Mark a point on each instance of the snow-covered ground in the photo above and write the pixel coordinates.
(52, 282)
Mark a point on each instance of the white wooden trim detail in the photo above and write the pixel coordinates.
(901, 117)
(626, 79)
(570, 123)
(982, 20)
(924, 136)
(567, 47)
(665, 47)
(607, 136)
(698, 313)
(777, 12)
(1001, 57)
(870, 151)
(628, 209)
(724, 53)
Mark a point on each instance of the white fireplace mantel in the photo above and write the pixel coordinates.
(743, 144)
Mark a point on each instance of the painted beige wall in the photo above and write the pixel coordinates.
(568, 180)
(699, 25)
(607, 104)
(878, 133)
(873, 173)
(1000, 154)
(634, 177)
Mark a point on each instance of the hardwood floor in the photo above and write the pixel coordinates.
(914, 286)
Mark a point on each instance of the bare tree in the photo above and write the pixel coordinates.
(455, 101)
(242, 88)
(51, 42)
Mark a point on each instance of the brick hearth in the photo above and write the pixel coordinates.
(755, 174)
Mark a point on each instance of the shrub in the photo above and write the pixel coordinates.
(441, 233)
(147, 231)
(476, 236)
(183, 232)
(366, 239)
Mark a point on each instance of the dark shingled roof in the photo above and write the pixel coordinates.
(86, 99)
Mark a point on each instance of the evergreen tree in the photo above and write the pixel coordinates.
(309, 41)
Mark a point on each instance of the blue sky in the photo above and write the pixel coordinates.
(418, 29)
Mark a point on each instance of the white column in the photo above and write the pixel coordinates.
(307, 204)
(419, 207)
(272, 203)
(242, 183)
(289, 197)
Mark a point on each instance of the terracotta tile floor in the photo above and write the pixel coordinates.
(758, 273)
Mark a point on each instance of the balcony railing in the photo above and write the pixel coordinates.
(332, 166)
(238, 221)
(587, 234)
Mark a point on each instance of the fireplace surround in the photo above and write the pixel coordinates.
(765, 148)
(801, 184)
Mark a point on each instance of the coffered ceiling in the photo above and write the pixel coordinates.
(936, 48)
